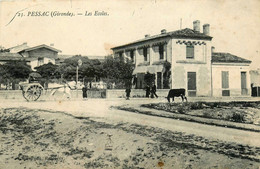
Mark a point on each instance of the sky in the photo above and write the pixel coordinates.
(234, 24)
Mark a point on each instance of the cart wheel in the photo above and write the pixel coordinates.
(32, 93)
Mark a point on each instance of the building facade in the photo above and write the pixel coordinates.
(231, 75)
(40, 55)
(189, 51)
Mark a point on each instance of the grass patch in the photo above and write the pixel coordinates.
(240, 112)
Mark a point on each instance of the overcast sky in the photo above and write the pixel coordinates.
(234, 24)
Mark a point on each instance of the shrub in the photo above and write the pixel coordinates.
(238, 117)
(195, 106)
(181, 110)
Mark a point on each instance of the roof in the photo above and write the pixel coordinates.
(18, 48)
(6, 56)
(228, 58)
(40, 46)
(186, 33)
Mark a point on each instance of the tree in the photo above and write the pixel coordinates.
(89, 69)
(118, 71)
(166, 75)
(48, 71)
(13, 72)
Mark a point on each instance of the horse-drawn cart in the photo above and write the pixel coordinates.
(33, 90)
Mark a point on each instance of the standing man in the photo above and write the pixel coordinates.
(147, 91)
(128, 91)
(84, 92)
(154, 91)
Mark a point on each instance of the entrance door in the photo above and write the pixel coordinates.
(225, 83)
(243, 83)
(140, 81)
(192, 84)
(159, 80)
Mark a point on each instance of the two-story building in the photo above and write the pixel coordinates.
(34, 56)
(40, 55)
(189, 51)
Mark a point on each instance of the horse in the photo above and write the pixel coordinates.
(65, 89)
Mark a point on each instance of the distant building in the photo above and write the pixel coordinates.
(34, 56)
(230, 75)
(255, 77)
(193, 65)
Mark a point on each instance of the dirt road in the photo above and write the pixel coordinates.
(100, 108)
(74, 134)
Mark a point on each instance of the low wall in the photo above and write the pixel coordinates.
(119, 93)
(113, 93)
(17, 94)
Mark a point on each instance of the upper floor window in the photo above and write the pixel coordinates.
(161, 51)
(120, 55)
(40, 61)
(132, 55)
(145, 54)
(190, 52)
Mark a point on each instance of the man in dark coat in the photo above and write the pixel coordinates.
(147, 91)
(84, 92)
(153, 91)
(127, 91)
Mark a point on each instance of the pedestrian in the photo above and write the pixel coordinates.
(128, 91)
(154, 91)
(147, 91)
(84, 92)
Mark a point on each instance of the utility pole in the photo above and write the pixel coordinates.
(77, 75)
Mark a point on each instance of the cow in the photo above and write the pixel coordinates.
(176, 93)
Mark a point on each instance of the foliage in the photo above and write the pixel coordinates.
(118, 71)
(166, 75)
(88, 70)
(238, 117)
(2, 49)
(48, 71)
(13, 72)
(149, 78)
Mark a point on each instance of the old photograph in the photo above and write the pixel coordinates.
(129, 84)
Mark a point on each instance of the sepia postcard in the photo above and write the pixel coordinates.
(131, 84)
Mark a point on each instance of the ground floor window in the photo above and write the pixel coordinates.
(192, 87)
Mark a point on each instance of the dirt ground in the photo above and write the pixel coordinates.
(31, 138)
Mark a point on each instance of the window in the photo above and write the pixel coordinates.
(40, 61)
(161, 51)
(120, 55)
(132, 55)
(190, 52)
(145, 54)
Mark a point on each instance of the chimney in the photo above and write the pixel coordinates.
(52, 44)
(212, 49)
(163, 31)
(206, 29)
(196, 25)
(147, 35)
